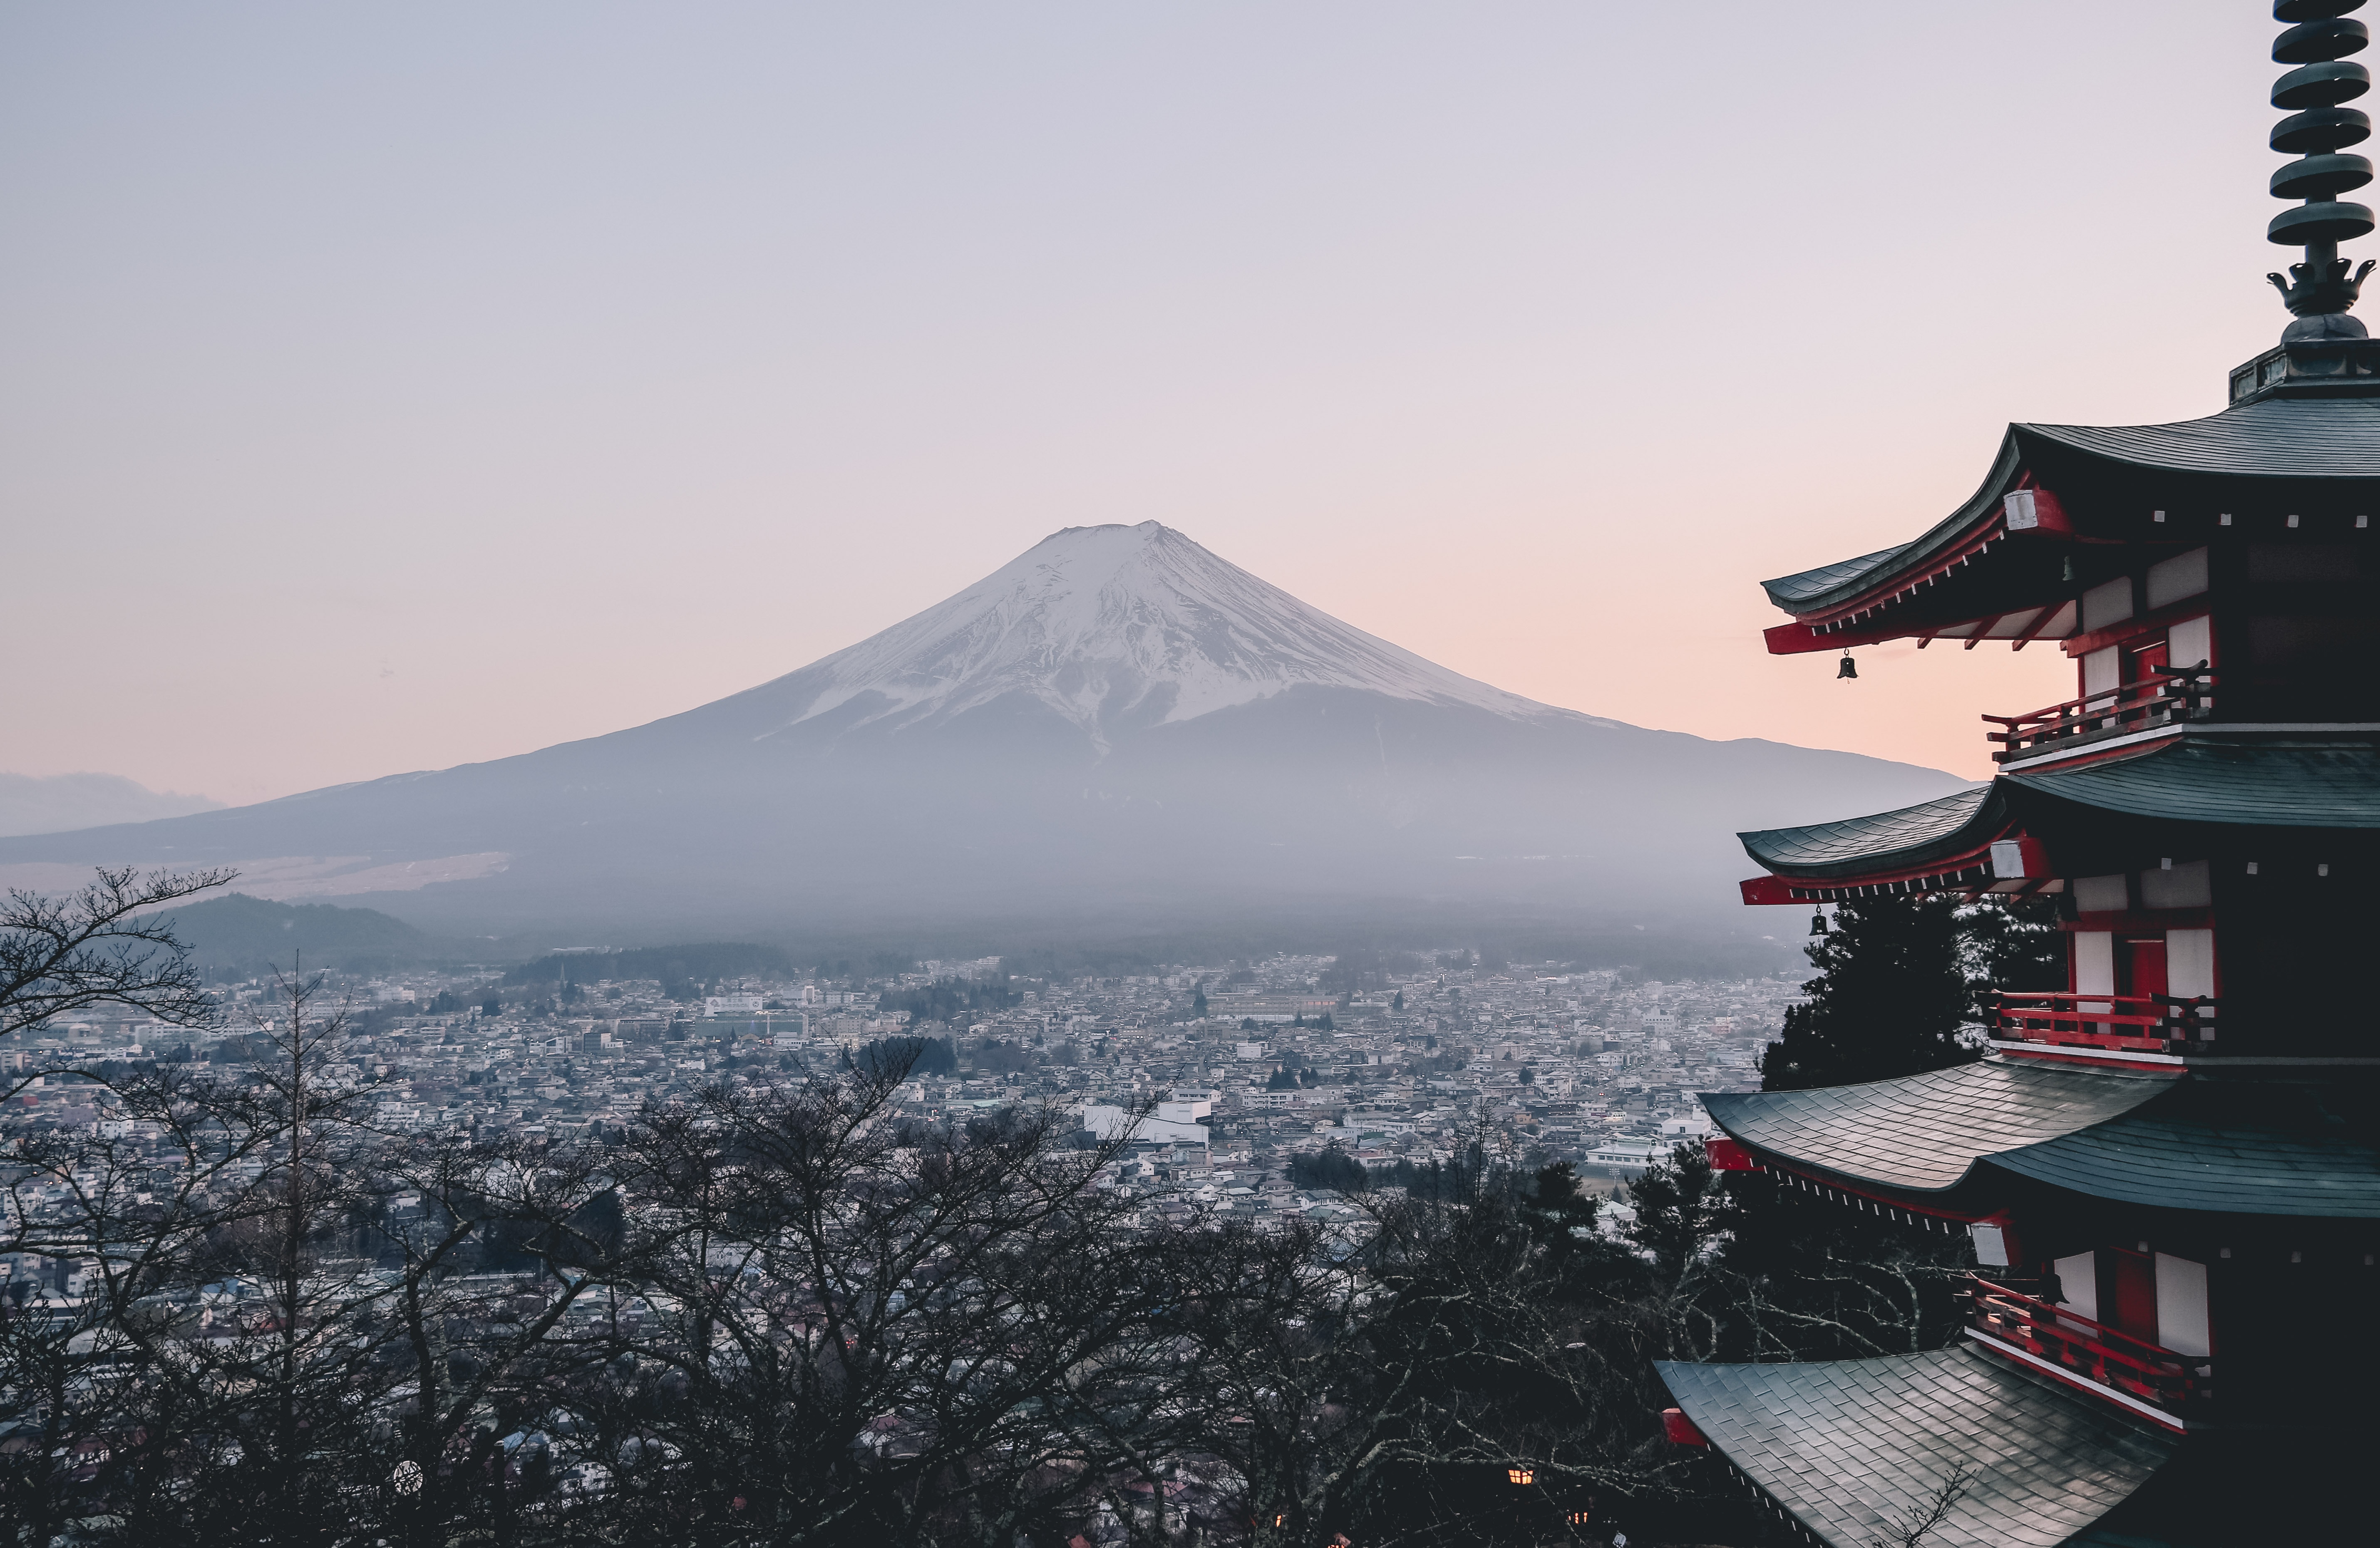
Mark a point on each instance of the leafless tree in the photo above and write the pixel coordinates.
(102, 945)
(843, 1330)
(1917, 1522)
(267, 1310)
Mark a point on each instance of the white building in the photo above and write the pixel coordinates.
(1110, 1122)
(1627, 1154)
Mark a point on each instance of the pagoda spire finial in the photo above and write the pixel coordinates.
(2319, 291)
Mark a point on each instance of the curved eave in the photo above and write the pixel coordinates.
(1947, 841)
(1926, 1134)
(1834, 589)
(1855, 1449)
(2195, 779)
(1886, 845)
(1884, 595)
(2225, 1148)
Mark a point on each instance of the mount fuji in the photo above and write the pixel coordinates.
(1118, 731)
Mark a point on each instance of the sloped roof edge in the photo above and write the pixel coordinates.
(1852, 1447)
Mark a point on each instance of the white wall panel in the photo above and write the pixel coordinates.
(2182, 576)
(2190, 642)
(2182, 1306)
(2111, 603)
(2102, 670)
(2190, 961)
(2094, 964)
(2079, 1277)
(2103, 894)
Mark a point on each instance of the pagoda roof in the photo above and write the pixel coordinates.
(1855, 1449)
(1908, 836)
(2196, 779)
(2232, 1148)
(1963, 578)
(2187, 778)
(1925, 1133)
(2218, 1145)
(2280, 438)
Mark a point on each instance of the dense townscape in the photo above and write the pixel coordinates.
(1252, 1066)
(1310, 1249)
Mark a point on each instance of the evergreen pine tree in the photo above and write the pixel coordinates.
(2014, 944)
(1890, 998)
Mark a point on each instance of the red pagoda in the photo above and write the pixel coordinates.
(2170, 1170)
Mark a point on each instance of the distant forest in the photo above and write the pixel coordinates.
(238, 936)
(950, 1000)
(700, 962)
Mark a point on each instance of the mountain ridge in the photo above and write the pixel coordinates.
(66, 802)
(1117, 725)
(1095, 620)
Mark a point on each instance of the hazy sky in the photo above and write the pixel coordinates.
(390, 387)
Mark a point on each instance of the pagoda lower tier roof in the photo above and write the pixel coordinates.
(2217, 1144)
(1855, 1449)
(2229, 1147)
(2299, 442)
(1905, 838)
(1925, 1133)
(2242, 780)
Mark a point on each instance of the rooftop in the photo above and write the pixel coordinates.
(2231, 779)
(1925, 1133)
(1854, 1449)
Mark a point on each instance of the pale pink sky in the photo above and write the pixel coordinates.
(390, 388)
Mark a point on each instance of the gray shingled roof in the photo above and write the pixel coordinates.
(2280, 438)
(1830, 584)
(2233, 1147)
(1789, 589)
(1910, 834)
(1925, 1132)
(1852, 1447)
(2188, 780)
(2192, 779)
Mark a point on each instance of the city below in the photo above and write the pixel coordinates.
(1234, 1083)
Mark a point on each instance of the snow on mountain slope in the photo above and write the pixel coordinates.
(1099, 622)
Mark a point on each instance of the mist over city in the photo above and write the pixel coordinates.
(1222, 777)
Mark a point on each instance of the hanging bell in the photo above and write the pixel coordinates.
(1818, 923)
(1848, 669)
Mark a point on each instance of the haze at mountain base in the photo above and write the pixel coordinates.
(62, 803)
(1118, 731)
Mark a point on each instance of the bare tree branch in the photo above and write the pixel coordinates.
(102, 945)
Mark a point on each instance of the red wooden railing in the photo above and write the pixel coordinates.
(2091, 1351)
(2131, 1023)
(2172, 693)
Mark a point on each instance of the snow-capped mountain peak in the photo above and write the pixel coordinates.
(1099, 622)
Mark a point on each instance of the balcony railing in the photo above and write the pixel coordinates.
(2122, 1023)
(2091, 1351)
(2168, 696)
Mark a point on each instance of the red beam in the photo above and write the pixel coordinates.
(1800, 639)
(1729, 1155)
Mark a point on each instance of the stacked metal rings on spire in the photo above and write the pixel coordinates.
(2319, 129)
